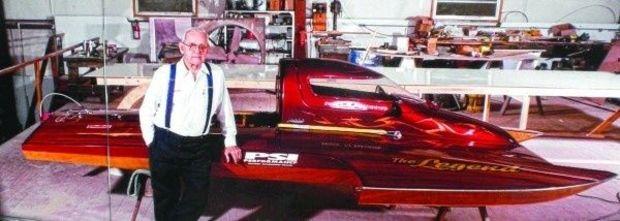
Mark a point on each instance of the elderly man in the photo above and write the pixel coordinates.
(175, 118)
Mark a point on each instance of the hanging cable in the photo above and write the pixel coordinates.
(374, 31)
(515, 11)
(589, 6)
(64, 95)
(344, 14)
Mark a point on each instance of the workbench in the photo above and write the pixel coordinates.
(75, 61)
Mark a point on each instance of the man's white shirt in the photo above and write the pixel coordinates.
(189, 110)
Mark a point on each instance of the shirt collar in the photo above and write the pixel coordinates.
(183, 69)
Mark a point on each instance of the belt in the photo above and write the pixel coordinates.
(179, 138)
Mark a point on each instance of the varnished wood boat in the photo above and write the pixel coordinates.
(342, 125)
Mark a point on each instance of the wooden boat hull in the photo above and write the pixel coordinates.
(376, 173)
(344, 125)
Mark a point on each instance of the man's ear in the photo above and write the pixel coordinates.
(182, 47)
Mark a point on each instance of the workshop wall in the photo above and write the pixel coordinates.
(23, 9)
(79, 20)
(355, 13)
(82, 19)
(547, 11)
(599, 18)
(28, 44)
(573, 11)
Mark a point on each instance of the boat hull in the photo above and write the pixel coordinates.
(376, 172)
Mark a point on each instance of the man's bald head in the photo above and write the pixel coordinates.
(193, 31)
(194, 47)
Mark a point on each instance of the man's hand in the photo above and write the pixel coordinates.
(232, 153)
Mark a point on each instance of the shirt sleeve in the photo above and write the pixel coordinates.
(226, 117)
(150, 103)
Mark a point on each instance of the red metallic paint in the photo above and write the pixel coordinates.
(442, 158)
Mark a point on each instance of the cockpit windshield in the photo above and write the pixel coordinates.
(367, 88)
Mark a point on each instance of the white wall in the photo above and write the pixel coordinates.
(117, 30)
(590, 14)
(79, 20)
(390, 9)
(540, 11)
(356, 12)
(82, 19)
(41, 9)
(574, 11)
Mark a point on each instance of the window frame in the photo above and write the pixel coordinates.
(139, 12)
(495, 18)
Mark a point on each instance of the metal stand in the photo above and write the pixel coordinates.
(441, 214)
(483, 213)
(136, 188)
(507, 102)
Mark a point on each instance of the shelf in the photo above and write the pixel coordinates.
(258, 12)
(280, 34)
(279, 51)
(279, 39)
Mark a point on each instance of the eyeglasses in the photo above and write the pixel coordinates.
(200, 47)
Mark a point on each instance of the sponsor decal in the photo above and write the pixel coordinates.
(296, 121)
(270, 159)
(98, 126)
(436, 164)
(351, 145)
(353, 105)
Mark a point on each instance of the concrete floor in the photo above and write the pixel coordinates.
(54, 191)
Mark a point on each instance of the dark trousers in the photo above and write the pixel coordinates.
(180, 168)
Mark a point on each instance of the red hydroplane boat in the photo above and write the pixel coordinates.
(341, 124)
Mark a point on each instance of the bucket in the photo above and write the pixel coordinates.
(357, 55)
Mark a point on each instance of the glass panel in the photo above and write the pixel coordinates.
(375, 89)
(64, 174)
(165, 6)
(466, 9)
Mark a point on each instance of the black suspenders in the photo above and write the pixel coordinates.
(173, 74)
(210, 97)
(170, 97)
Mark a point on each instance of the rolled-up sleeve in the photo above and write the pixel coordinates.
(226, 117)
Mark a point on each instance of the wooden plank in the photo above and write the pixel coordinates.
(605, 125)
(10, 70)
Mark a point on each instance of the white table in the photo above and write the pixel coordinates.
(519, 55)
(237, 75)
(520, 83)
